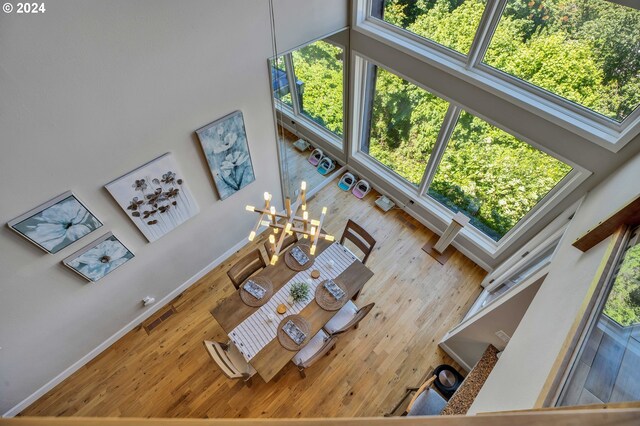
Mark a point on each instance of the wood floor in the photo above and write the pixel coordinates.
(298, 167)
(167, 373)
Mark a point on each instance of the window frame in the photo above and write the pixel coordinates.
(593, 126)
(404, 189)
(630, 238)
(295, 113)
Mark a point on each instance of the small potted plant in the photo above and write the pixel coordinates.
(299, 292)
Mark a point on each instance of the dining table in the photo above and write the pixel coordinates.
(236, 317)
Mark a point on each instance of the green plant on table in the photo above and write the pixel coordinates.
(299, 291)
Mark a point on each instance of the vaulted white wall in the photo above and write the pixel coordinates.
(90, 90)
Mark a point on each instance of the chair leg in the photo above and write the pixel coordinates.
(302, 373)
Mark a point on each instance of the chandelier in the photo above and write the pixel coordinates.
(289, 222)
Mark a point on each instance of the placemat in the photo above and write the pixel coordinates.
(286, 341)
(249, 299)
(293, 264)
(325, 299)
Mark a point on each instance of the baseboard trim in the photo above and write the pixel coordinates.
(115, 337)
(455, 356)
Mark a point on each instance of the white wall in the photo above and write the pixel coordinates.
(519, 376)
(469, 342)
(90, 90)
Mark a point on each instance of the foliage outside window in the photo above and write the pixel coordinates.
(320, 67)
(451, 23)
(405, 121)
(587, 51)
(623, 303)
(485, 172)
(317, 91)
(492, 177)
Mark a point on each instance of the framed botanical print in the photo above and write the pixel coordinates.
(99, 258)
(56, 224)
(225, 146)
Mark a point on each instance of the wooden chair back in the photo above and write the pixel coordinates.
(359, 316)
(288, 241)
(421, 389)
(219, 354)
(397, 410)
(328, 345)
(358, 236)
(246, 267)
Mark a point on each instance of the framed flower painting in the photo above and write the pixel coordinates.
(155, 196)
(99, 258)
(225, 146)
(56, 224)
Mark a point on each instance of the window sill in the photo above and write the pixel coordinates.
(612, 137)
(470, 233)
(477, 238)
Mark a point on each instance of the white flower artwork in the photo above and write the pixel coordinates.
(155, 196)
(57, 223)
(99, 258)
(225, 146)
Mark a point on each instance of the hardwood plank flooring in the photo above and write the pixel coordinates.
(298, 167)
(168, 373)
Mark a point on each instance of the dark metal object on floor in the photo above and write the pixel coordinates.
(448, 380)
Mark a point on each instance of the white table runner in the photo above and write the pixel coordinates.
(255, 332)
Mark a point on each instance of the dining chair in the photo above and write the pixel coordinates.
(425, 402)
(288, 241)
(246, 267)
(230, 360)
(358, 236)
(321, 344)
(348, 317)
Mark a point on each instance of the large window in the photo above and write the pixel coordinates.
(320, 68)
(493, 177)
(581, 55)
(309, 83)
(280, 82)
(405, 121)
(587, 51)
(451, 23)
(606, 368)
(480, 170)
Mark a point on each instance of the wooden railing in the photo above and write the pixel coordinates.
(580, 417)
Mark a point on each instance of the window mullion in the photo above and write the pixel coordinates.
(486, 28)
(291, 80)
(448, 124)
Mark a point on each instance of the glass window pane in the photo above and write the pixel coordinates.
(451, 23)
(583, 50)
(319, 69)
(623, 303)
(281, 90)
(607, 368)
(492, 177)
(405, 121)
